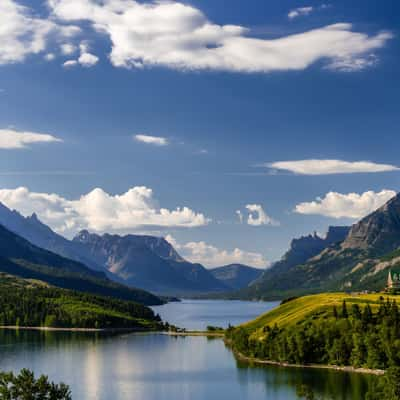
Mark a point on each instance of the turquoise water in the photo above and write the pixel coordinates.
(160, 367)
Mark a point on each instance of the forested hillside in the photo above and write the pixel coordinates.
(31, 303)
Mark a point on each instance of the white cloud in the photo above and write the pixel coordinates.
(88, 59)
(22, 33)
(211, 256)
(70, 63)
(257, 216)
(326, 167)
(351, 205)
(68, 49)
(11, 139)
(100, 211)
(300, 11)
(180, 36)
(85, 59)
(155, 140)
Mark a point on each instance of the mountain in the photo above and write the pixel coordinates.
(39, 234)
(148, 262)
(379, 232)
(236, 276)
(21, 258)
(277, 278)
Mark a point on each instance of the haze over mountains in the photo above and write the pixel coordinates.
(236, 276)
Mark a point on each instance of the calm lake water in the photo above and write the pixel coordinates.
(160, 367)
(197, 314)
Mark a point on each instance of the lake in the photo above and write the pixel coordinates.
(160, 367)
(197, 314)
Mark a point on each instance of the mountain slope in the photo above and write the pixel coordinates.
(279, 277)
(39, 234)
(360, 262)
(143, 261)
(20, 257)
(148, 262)
(236, 276)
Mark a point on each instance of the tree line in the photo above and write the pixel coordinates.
(60, 308)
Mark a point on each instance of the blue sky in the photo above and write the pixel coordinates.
(222, 105)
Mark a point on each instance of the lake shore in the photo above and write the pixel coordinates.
(195, 333)
(259, 361)
(54, 329)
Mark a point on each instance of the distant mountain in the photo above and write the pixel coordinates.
(21, 258)
(277, 278)
(148, 262)
(236, 276)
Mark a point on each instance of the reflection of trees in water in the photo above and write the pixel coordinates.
(19, 340)
(326, 384)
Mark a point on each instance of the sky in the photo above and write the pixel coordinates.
(227, 130)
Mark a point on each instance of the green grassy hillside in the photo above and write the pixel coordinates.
(328, 328)
(304, 309)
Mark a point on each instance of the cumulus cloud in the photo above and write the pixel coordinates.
(211, 256)
(351, 205)
(22, 33)
(155, 140)
(300, 11)
(326, 167)
(11, 139)
(180, 36)
(100, 211)
(257, 216)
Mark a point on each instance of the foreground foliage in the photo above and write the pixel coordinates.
(34, 304)
(25, 387)
(358, 332)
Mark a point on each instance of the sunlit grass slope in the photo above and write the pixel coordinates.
(304, 309)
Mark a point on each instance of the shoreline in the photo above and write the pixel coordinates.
(195, 333)
(54, 329)
(377, 372)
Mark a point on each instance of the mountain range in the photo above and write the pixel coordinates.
(23, 259)
(147, 262)
(350, 259)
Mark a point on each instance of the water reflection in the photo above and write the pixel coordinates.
(150, 367)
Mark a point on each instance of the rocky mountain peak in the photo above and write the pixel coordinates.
(378, 232)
